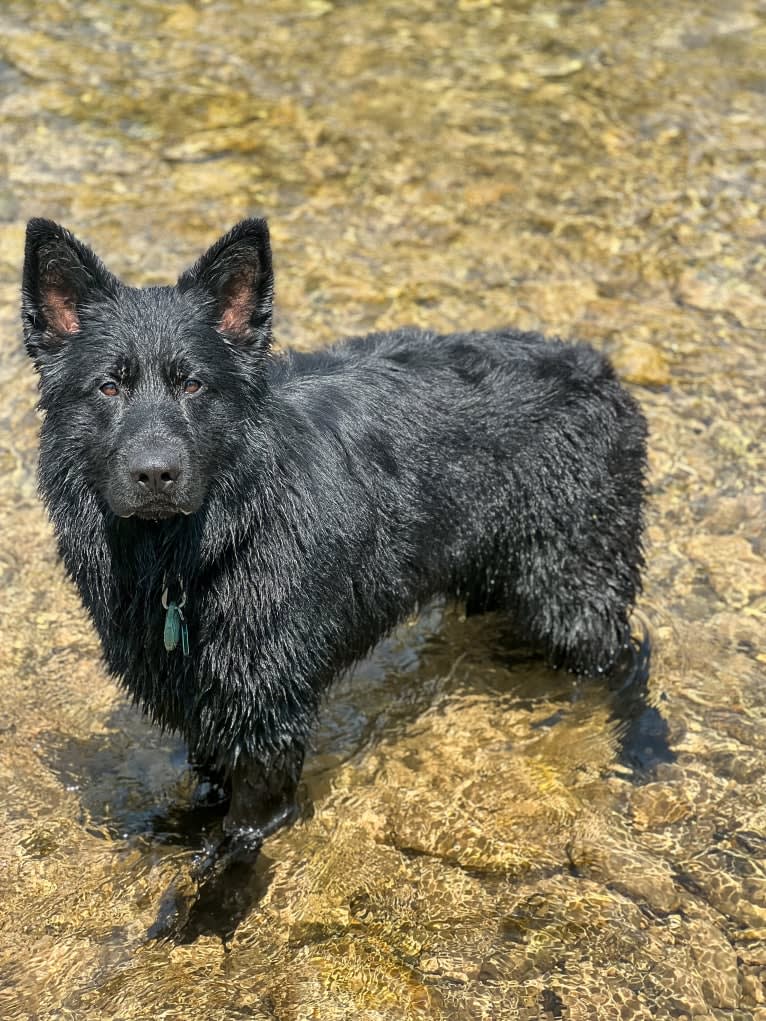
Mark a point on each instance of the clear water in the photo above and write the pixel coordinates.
(480, 838)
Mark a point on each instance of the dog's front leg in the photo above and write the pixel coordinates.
(263, 796)
(228, 879)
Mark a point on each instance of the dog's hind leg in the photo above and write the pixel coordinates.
(212, 790)
(575, 609)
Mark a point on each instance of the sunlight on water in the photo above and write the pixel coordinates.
(482, 838)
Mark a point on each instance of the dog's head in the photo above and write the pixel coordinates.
(147, 392)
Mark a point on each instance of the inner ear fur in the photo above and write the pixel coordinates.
(60, 275)
(236, 273)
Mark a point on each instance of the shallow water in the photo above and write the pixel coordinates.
(481, 837)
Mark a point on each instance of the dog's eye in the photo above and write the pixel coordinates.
(109, 389)
(192, 386)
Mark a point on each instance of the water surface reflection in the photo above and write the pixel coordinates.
(482, 837)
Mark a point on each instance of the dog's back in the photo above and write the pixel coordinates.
(504, 469)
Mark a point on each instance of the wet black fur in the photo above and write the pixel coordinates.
(329, 494)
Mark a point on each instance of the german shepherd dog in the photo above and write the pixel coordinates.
(243, 525)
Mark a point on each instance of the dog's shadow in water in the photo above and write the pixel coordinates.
(135, 785)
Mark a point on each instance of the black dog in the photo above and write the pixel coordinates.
(243, 526)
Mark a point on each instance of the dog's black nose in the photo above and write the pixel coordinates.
(156, 471)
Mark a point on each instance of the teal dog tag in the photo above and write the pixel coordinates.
(173, 621)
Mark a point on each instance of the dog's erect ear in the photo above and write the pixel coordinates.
(61, 276)
(236, 273)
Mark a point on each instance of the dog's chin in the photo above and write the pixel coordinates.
(161, 513)
(156, 512)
